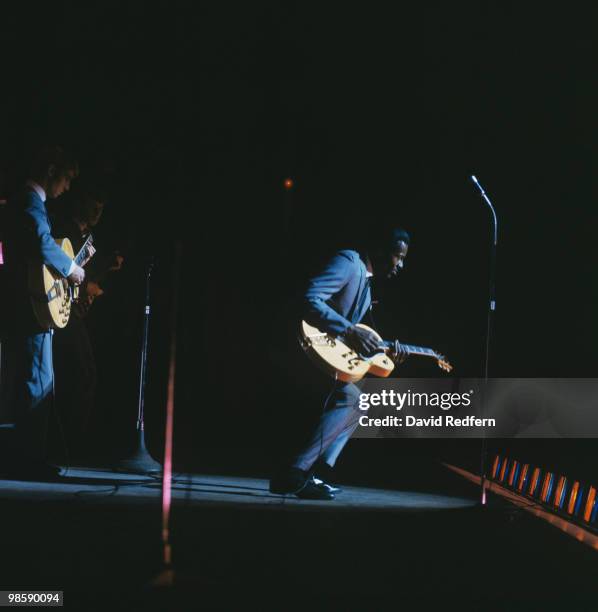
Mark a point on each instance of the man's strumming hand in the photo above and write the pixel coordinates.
(77, 276)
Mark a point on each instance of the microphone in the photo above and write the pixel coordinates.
(489, 204)
(475, 180)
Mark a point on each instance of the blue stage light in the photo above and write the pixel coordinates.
(560, 492)
(514, 473)
(547, 486)
(496, 467)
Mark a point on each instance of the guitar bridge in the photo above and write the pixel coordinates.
(320, 340)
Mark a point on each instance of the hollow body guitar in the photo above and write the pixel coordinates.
(332, 355)
(51, 295)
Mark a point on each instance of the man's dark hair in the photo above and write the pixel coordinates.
(53, 156)
(387, 238)
(397, 235)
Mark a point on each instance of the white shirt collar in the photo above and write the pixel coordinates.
(368, 274)
(38, 189)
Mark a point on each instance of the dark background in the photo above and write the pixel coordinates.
(195, 113)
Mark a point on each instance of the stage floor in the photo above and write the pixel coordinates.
(96, 536)
(201, 489)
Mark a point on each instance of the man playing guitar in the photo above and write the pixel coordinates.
(30, 237)
(336, 300)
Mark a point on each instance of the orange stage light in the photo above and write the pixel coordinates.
(495, 466)
(534, 481)
(523, 476)
(587, 515)
(573, 497)
(513, 472)
(558, 496)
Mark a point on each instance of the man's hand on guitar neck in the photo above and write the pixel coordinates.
(398, 352)
(90, 251)
(366, 342)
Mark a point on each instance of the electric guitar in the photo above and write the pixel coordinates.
(51, 295)
(332, 355)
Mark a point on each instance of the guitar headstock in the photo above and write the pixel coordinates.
(86, 252)
(443, 364)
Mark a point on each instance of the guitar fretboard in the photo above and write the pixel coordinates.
(82, 254)
(415, 350)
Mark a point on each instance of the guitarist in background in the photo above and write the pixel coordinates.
(336, 300)
(30, 238)
(74, 358)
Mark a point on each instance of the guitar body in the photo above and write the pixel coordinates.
(51, 296)
(334, 357)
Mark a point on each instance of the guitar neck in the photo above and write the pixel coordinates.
(82, 255)
(412, 349)
(419, 350)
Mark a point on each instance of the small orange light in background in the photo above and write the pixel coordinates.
(288, 184)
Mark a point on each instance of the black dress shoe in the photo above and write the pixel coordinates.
(322, 473)
(318, 481)
(311, 490)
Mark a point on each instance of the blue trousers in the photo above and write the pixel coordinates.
(337, 423)
(34, 390)
(39, 370)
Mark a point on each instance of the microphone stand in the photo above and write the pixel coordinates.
(489, 323)
(140, 461)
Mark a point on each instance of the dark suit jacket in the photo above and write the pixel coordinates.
(333, 296)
